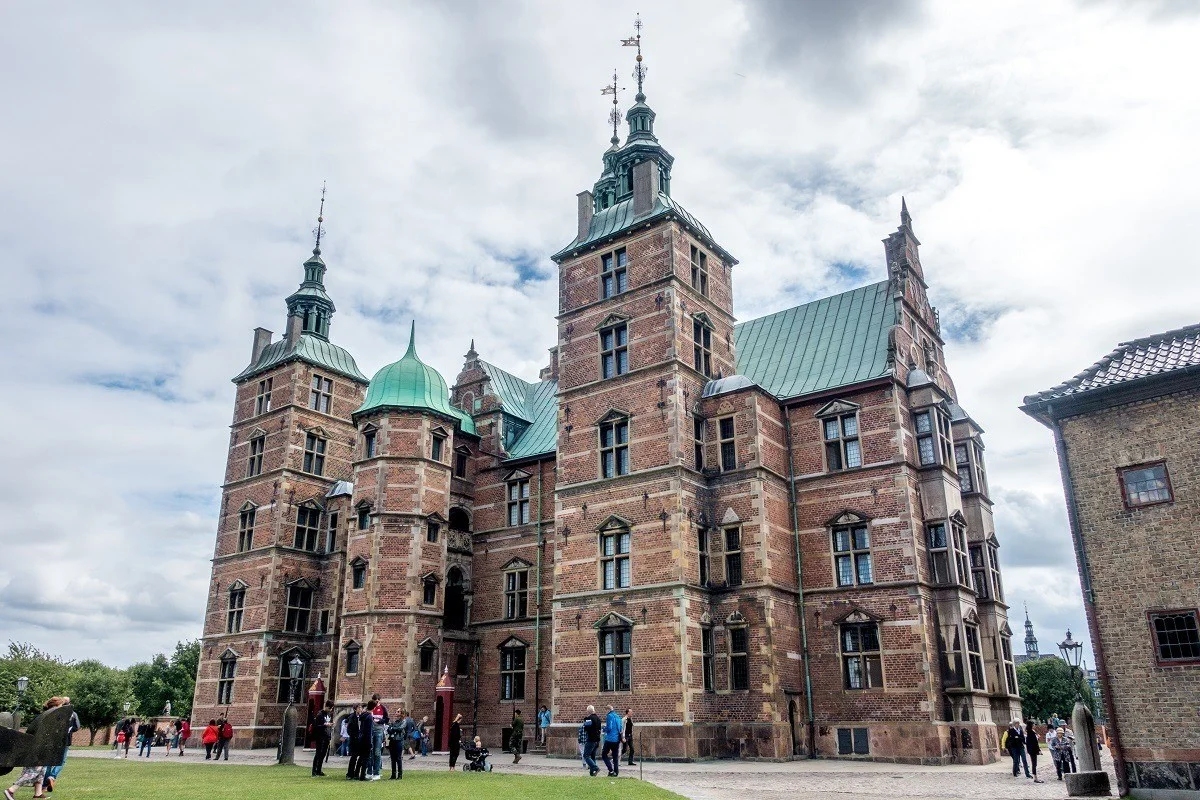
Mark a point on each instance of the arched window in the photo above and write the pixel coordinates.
(459, 519)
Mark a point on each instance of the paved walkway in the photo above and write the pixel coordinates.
(719, 780)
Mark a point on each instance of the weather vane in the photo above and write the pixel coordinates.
(639, 71)
(317, 231)
(614, 116)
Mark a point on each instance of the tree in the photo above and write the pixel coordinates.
(1047, 688)
(160, 680)
(98, 694)
(48, 676)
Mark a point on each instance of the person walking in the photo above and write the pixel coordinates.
(1033, 748)
(455, 739)
(411, 734)
(209, 739)
(614, 731)
(130, 730)
(72, 726)
(34, 776)
(591, 725)
(1014, 743)
(352, 737)
(424, 729)
(322, 730)
(365, 723)
(145, 739)
(517, 738)
(1066, 744)
(628, 744)
(343, 748)
(543, 726)
(185, 733)
(395, 746)
(226, 733)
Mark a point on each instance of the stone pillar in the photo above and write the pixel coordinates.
(287, 737)
(445, 693)
(1091, 780)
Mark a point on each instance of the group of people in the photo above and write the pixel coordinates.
(1024, 746)
(146, 735)
(216, 738)
(617, 734)
(364, 734)
(42, 778)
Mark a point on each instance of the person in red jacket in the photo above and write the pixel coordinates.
(209, 738)
(185, 731)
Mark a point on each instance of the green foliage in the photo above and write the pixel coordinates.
(161, 679)
(1047, 688)
(98, 694)
(48, 676)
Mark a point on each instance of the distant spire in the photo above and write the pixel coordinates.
(639, 69)
(412, 339)
(905, 217)
(471, 355)
(320, 222)
(1031, 642)
(614, 116)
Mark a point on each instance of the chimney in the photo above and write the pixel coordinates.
(295, 326)
(645, 187)
(586, 210)
(550, 373)
(262, 338)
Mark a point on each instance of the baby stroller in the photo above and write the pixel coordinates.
(476, 758)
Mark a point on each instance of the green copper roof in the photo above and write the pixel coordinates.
(618, 218)
(828, 343)
(536, 403)
(410, 383)
(310, 349)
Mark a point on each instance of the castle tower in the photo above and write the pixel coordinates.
(1031, 642)
(278, 550)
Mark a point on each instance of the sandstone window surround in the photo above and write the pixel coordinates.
(1006, 656)
(246, 527)
(615, 648)
(616, 545)
(236, 607)
(433, 528)
(949, 560)
(298, 607)
(706, 658)
(262, 400)
(733, 555)
(613, 273)
(226, 677)
(437, 448)
(512, 669)
(1145, 484)
(323, 622)
(358, 573)
(614, 445)
(308, 526)
(702, 345)
(353, 653)
(975, 658)
(935, 445)
(320, 394)
(462, 457)
(364, 515)
(614, 350)
(727, 437)
(862, 655)
(698, 436)
(702, 551)
(1176, 637)
(314, 452)
(331, 531)
(699, 260)
(852, 561)
(518, 501)
(284, 694)
(968, 460)
(840, 432)
(429, 584)
(254, 462)
(427, 650)
(516, 591)
(739, 658)
(369, 434)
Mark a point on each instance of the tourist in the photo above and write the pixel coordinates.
(455, 739)
(185, 733)
(322, 729)
(613, 733)
(628, 745)
(543, 727)
(226, 740)
(395, 746)
(72, 726)
(379, 723)
(365, 723)
(343, 748)
(424, 729)
(1033, 748)
(145, 738)
(517, 737)
(130, 728)
(1014, 742)
(410, 727)
(352, 737)
(1066, 746)
(591, 726)
(583, 736)
(33, 776)
(209, 738)
(119, 741)
(175, 729)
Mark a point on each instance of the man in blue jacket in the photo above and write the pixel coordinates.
(614, 732)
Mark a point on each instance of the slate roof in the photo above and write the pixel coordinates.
(826, 344)
(619, 217)
(310, 349)
(535, 403)
(1132, 361)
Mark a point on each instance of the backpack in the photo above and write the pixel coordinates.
(226, 731)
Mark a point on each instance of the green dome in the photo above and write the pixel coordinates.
(411, 383)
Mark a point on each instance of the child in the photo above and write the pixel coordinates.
(121, 744)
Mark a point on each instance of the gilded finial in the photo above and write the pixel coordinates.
(639, 69)
(614, 116)
(317, 231)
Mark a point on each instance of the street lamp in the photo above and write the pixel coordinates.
(1072, 653)
(1090, 780)
(287, 736)
(22, 685)
(294, 668)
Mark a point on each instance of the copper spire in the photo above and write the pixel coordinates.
(317, 231)
(639, 69)
(614, 116)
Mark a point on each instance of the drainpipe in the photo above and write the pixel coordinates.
(537, 604)
(1089, 595)
(808, 698)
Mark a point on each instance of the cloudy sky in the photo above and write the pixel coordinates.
(160, 167)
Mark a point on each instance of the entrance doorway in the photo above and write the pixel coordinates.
(792, 727)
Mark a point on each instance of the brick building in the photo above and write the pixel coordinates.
(1130, 471)
(767, 539)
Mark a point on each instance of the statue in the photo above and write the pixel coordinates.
(166, 712)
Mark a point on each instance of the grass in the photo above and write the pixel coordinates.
(102, 779)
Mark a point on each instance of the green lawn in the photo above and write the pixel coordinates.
(100, 779)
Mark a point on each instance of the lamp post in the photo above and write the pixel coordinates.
(1090, 780)
(22, 685)
(287, 740)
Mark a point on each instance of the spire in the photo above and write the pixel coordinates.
(640, 116)
(905, 217)
(1031, 642)
(310, 304)
(639, 70)
(471, 355)
(412, 340)
(614, 116)
(320, 220)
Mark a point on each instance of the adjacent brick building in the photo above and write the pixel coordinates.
(768, 539)
(1130, 466)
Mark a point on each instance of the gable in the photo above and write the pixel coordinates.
(611, 320)
(855, 615)
(613, 620)
(615, 523)
(512, 641)
(836, 408)
(848, 517)
(515, 563)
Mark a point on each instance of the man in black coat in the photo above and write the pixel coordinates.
(365, 724)
(322, 731)
(353, 733)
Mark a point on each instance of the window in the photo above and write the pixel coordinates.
(975, 658)
(842, 450)
(959, 531)
(429, 592)
(979, 479)
(323, 622)
(352, 653)
(852, 555)
(702, 348)
(1010, 669)
(246, 530)
(862, 663)
(615, 648)
(439, 444)
(733, 556)
(993, 552)
(308, 528)
(962, 461)
(1176, 636)
(939, 553)
(612, 274)
(854, 741)
(702, 548)
(427, 651)
(948, 557)
(706, 657)
(698, 435)
(934, 442)
(518, 502)
(699, 271)
(331, 534)
(285, 680)
(512, 673)
(314, 454)
(262, 401)
(225, 682)
(460, 463)
(614, 448)
(432, 531)
(725, 431)
(254, 465)
(516, 594)
(1145, 485)
(462, 664)
(979, 573)
(739, 659)
(926, 452)
(358, 574)
(299, 607)
(322, 391)
(369, 443)
(614, 561)
(237, 604)
(614, 351)
(954, 660)
(364, 517)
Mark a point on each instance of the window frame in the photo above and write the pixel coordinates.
(246, 519)
(369, 442)
(429, 586)
(516, 593)
(1010, 664)
(308, 528)
(235, 609)
(843, 443)
(614, 451)
(433, 531)
(513, 663)
(437, 448)
(518, 502)
(614, 350)
(621, 559)
(1156, 613)
(620, 656)
(699, 264)
(262, 399)
(1132, 506)
(614, 273)
(727, 444)
(698, 435)
(225, 679)
(702, 347)
(320, 393)
(314, 454)
(296, 612)
(734, 567)
(853, 552)
(863, 657)
(707, 657)
(939, 437)
(254, 461)
(353, 658)
(739, 659)
(704, 565)
(975, 667)
(331, 530)
(363, 516)
(462, 462)
(427, 656)
(358, 574)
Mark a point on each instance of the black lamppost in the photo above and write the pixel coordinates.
(22, 685)
(1090, 780)
(1072, 653)
(287, 737)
